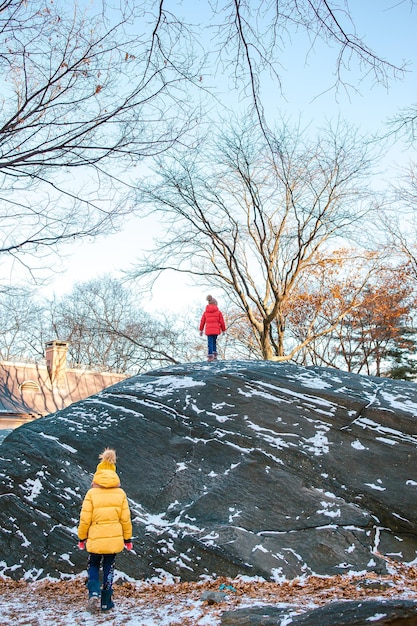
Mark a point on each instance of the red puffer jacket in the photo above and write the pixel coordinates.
(212, 320)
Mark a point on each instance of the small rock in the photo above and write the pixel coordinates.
(254, 616)
(213, 597)
(376, 585)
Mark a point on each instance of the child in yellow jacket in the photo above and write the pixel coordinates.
(105, 527)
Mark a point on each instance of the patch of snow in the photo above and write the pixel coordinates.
(277, 576)
(26, 542)
(376, 487)
(357, 445)
(320, 444)
(195, 408)
(223, 418)
(167, 384)
(386, 440)
(376, 617)
(313, 400)
(326, 510)
(260, 547)
(33, 574)
(234, 513)
(377, 539)
(403, 404)
(210, 538)
(66, 557)
(72, 492)
(221, 405)
(313, 383)
(34, 487)
(365, 422)
(329, 494)
(297, 556)
(63, 445)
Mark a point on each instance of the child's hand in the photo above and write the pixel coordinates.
(128, 545)
(81, 545)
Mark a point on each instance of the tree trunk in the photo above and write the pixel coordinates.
(273, 349)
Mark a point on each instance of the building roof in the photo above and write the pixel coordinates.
(27, 391)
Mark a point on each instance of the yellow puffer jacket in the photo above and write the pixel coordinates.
(105, 515)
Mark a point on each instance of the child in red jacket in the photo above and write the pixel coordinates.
(213, 323)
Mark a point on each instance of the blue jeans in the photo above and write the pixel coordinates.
(93, 568)
(211, 341)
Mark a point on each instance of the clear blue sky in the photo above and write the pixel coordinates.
(389, 28)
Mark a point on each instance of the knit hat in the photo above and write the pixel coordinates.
(108, 460)
(211, 300)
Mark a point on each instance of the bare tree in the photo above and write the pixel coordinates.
(399, 219)
(87, 93)
(107, 330)
(254, 224)
(84, 95)
(105, 326)
(404, 124)
(21, 318)
(248, 39)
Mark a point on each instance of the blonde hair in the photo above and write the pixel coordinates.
(108, 456)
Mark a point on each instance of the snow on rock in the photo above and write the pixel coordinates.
(231, 468)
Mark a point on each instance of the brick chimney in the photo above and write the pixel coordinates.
(56, 360)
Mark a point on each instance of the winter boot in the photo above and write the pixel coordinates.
(210, 358)
(106, 601)
(93, 595)
(214, 356)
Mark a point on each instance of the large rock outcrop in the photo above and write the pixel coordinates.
(349, 613)
(252, 468)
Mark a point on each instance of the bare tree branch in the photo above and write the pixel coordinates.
(256, 225)
(83, 99)
(88, 93)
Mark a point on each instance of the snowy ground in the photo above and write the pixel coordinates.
(58, 603)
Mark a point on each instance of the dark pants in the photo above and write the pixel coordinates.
(93, 568)
(211, 341)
